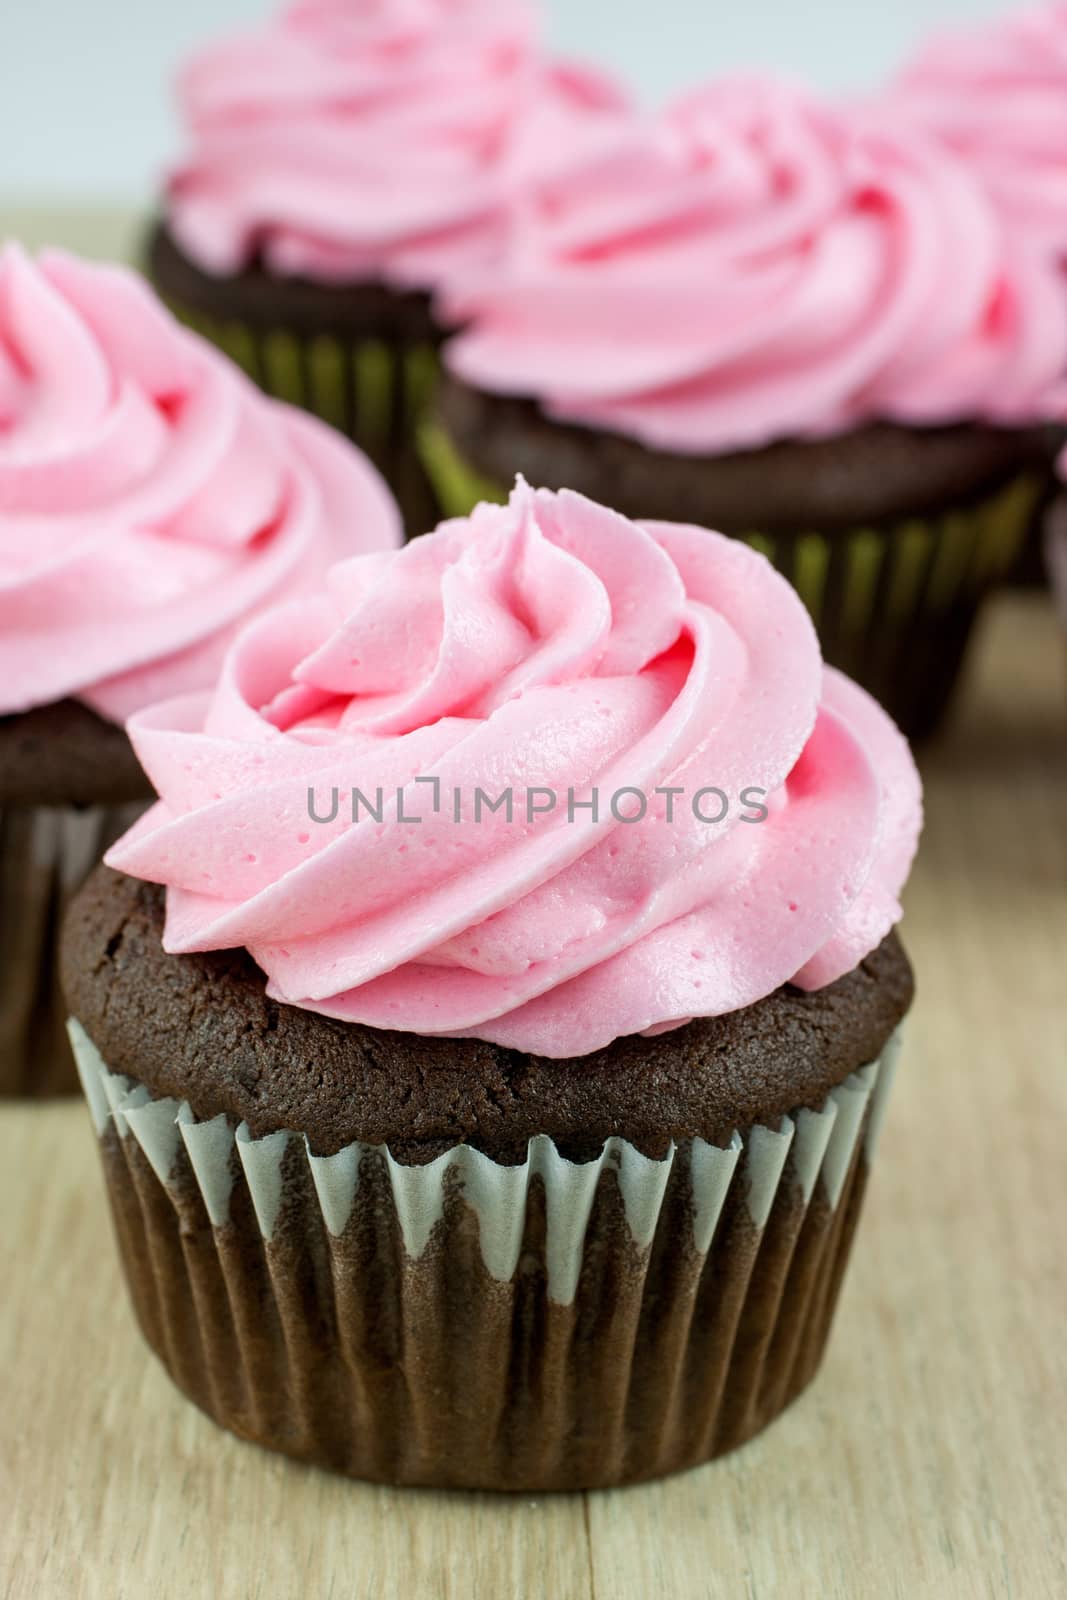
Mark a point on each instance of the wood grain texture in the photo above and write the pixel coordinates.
(926, 1460)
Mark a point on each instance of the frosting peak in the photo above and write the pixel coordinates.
(778, 268)
(680, 809)
(380, 141)
(150, 499)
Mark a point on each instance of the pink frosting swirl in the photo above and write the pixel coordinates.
(754, 266)
(997, 95)
(548, 644)
(150, 499)
(383, 141)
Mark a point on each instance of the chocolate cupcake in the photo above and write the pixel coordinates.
(996, 94)
(490, 1100)
(801, 326)
(341, 167)
(150, 501)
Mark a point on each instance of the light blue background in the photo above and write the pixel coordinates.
(85, 111)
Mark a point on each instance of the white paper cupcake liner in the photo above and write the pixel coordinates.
(537, 1326)
(821, 1144)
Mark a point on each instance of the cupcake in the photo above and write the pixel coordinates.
(150, 501)
(996, 94)
(343, 164)
(488, 1031)
(802, 326)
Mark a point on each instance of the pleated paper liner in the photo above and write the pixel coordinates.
(466, 1324)
(894, 604)
(1029, 570)
(374, 391)
(1055, 551)
(46, 853)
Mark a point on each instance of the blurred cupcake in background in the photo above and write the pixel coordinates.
(795, 323)
(344, 163)
(150, 501)
(996, 94)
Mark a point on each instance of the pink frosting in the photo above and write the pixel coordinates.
(755, 265)
(550, 644)
(998, 95)
(150, 499)
(383, 141)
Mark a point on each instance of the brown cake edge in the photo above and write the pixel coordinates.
(874, 474)
(65, 755)
(201, 1028)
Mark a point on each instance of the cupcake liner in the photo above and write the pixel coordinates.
(1056, 554)
(1028, 570)
(372, 390)
(46, 853)
(463, 1323)
(893, 604)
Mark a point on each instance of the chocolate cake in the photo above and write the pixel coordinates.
(264, 302)
(65, 755)
(877, 473)
(201, 1028)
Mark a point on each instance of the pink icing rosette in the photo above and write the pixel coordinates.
(755, 265)
(547, 645)
(375, 142)
(150, 499)
(997, 94)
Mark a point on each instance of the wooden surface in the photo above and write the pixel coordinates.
(927, 1459)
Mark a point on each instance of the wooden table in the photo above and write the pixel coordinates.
(927, 1459)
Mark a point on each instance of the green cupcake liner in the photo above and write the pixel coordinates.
(457, 486)
(893, 603)
(373, 391)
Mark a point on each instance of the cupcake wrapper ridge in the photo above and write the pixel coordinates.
(46, 853)
(464, 1323)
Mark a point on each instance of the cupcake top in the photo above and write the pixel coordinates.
(754, 266)
(601, 783)
(151, 499)
(382, 142)
(997, 94)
